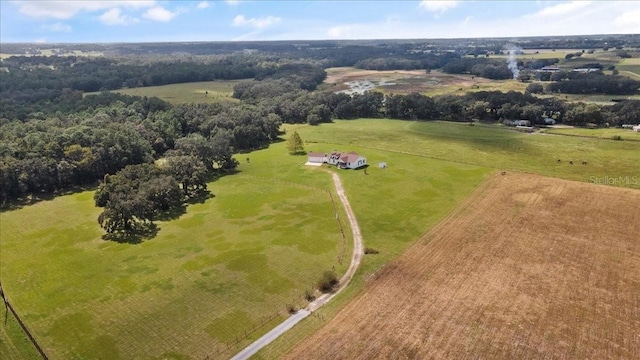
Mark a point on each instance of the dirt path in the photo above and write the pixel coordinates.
(356, 258)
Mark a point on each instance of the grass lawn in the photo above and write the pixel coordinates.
(206, 92)
(432, 167)
(219, 269)
(209, 276)
(630, 67)
(14, 343)
(626, 134)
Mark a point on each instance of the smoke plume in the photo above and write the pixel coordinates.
(512, 63)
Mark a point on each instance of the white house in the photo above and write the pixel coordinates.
(350, 160)
(316, 157)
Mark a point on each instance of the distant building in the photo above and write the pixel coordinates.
(586, 70)
(628, 126)
(549, 69)
(549, 121)
(636, 128)
(516, 122)
(350, 160)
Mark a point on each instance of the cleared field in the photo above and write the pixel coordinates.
(405, 82)
(630, 67)
(206, 92)
(625, 134)
(489, 146)
(218, 271)
(14, 344)
(529, 268)
(220, 268)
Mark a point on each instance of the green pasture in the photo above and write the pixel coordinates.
(14, 343)
(608, 133)
(487, 145)
(206, 92)
(432, 166)
(212, 275)
(630, 67)
(228, 263)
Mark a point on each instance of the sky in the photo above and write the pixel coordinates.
(49, 21)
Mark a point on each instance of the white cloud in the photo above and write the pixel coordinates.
(563, 9)
(203, 5)
(437, 5)
(340, 31)
(68, 9)
(158, 13)
(233, 2)
(628, 22)
(57, 27)
(115, 17)
(257, 23)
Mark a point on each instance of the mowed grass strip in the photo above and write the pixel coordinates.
(206, 92)
(208, 277)
(610, 133)
(14, 343)
(530, 267)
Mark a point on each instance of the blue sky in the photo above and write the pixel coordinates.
(141, 21)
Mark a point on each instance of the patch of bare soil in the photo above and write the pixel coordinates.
(529, 268)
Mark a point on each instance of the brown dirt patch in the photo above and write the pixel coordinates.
(530, 268)
(404, 81)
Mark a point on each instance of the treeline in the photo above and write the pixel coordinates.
(78, 140)
(487, 68)
(595, 83)
(292, 105)
(410, 61)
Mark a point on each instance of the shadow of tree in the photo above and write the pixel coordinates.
(137, 235)
(200, 197)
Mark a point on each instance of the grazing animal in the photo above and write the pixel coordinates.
(559, 160)
(571, 162)
(584, 163)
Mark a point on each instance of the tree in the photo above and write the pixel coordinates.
(189, 171)
(134, 196)
(295, 144)
(535, 88)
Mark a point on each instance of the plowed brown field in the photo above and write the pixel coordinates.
(530, 268)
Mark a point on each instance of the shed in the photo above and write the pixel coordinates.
(316, 157)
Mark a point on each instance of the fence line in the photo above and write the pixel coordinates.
(343, 249)
(22, 325)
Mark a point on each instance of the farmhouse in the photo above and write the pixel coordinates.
(350, 160)
(516, 122)
(549, 69)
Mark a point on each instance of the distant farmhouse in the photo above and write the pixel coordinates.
(516, 122)
(350, 160)
(549, 69)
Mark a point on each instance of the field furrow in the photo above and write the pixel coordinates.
(529, 267)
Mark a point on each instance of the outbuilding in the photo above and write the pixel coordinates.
(316, 157)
